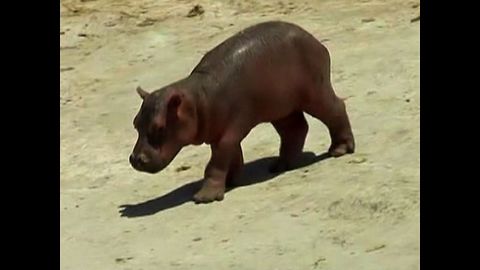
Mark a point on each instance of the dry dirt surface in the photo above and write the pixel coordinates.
(358, 212)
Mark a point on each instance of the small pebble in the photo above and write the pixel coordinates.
(358, 160)
(367, 20)
(375, 248)
(146, 22)
(66, 69)
(182, 168)
(195, 11)
(321, 259)
(123, 260)
(110, 24)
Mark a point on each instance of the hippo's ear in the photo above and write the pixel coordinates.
(174, 102)
(181, 116)
(178, 107)
(142, 93)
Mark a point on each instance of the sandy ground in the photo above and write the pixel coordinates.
(357, 212)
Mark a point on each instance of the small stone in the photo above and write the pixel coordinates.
(196, 239)
(367, 20)
(146, 22)
(182, 168)
(195, 11)
(318, 261)
(110, 24)
(66, 69)
(375, 248)
(123, 260)
(68, 47)
(358, 160)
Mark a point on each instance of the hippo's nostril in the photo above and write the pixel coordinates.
(142, 158)
(131, 158)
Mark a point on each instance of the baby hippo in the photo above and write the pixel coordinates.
(270, 72)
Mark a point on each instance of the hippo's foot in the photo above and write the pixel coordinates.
(209, 193)
(342, 148)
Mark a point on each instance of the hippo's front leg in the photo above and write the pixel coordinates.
(213, 189)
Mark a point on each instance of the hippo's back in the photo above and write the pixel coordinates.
(263, 40)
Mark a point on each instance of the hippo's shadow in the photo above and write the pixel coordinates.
(253, 172)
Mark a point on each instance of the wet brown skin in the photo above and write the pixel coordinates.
(270, 72)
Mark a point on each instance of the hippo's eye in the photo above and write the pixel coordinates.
(155, 137)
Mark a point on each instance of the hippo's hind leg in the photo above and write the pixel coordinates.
(330, 109)
(293, 131)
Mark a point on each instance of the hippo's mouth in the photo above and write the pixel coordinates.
(148, 168)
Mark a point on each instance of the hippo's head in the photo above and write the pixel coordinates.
(165, 123)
